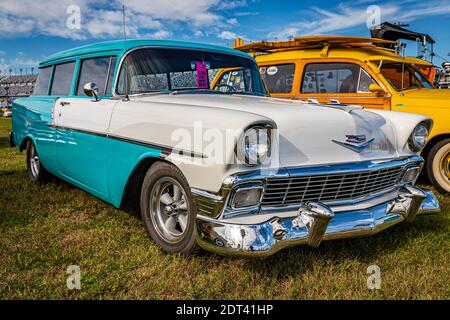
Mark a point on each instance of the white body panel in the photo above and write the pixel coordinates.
(306, 131)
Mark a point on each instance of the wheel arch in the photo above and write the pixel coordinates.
(433, 142)
(132, 192)
(23, 143)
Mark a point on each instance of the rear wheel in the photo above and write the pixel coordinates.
(167, 209)
(438, 166)
(36, 171)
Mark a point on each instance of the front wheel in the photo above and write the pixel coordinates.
(36, 171)
(167, 209)
(438, 166)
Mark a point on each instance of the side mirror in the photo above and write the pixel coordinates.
(91, 90)
(374, 88)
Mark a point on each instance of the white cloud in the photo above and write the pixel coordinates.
(31, 17)
(199, 34)
(161, 34)
(233, 21)
(227, 35)
(228, 5)
(348, 15)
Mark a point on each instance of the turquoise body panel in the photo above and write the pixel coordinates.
(31, 119)
(95, 163)
(123, 158)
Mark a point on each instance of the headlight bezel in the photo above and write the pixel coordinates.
(241, 151)
(414, 145)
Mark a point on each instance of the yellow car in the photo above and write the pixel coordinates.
(354, 70)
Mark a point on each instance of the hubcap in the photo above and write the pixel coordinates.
(34, 161)
(445, 166)
(169, 209)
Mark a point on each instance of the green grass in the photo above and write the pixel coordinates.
(44, 229)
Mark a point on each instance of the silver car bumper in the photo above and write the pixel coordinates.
(311, 224)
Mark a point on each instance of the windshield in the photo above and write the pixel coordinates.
(169, 70)
(404, 78)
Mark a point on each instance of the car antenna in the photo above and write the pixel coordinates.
(125, 48)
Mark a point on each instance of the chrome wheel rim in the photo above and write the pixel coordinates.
(34, 162)
(445, 166)
(169, 209)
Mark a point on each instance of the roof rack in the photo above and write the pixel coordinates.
(309, 42)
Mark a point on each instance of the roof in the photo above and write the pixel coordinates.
(358, 48)
(309, 42)
(121, 46)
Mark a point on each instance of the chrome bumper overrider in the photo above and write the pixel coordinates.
(311, 224)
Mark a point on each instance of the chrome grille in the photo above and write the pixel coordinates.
(330, 187)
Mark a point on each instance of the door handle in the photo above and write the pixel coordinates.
(64, 103)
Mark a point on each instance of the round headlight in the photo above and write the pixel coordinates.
(254, 146)
(419, 137)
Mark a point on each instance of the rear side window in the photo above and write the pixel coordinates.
(99, 71)
(42, 82)
(278, 78)
(62, 79)
(335, 78)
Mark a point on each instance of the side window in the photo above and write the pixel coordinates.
(330, 78)
(42, 82)
(62, 79)
(99, 71)
(278, 78)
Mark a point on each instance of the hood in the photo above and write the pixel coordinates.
(439, 98)
(308, 134)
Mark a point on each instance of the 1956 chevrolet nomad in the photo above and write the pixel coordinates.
(225, 168)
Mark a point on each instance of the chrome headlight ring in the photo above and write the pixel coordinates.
(255, 144)
(419, 136)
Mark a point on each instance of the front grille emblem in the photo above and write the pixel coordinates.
(355, 143)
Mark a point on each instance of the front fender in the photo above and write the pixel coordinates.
(403, 125)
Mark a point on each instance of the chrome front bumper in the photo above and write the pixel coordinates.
(311, 224)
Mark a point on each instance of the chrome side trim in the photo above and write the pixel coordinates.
(165, 150)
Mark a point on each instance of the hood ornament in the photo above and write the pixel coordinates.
(357, 143)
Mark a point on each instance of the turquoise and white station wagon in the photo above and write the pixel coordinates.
(138, 124)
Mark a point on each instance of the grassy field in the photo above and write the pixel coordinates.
(44, 229)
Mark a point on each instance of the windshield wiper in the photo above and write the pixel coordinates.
(248, 93)
(196, 91)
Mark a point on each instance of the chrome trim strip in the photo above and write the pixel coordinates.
(166, 150)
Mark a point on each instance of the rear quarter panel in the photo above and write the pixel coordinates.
(32, 118)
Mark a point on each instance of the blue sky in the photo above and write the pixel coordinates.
(31, 30)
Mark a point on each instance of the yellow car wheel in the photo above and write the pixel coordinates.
(438, 166)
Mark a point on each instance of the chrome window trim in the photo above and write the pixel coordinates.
(130, 50)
